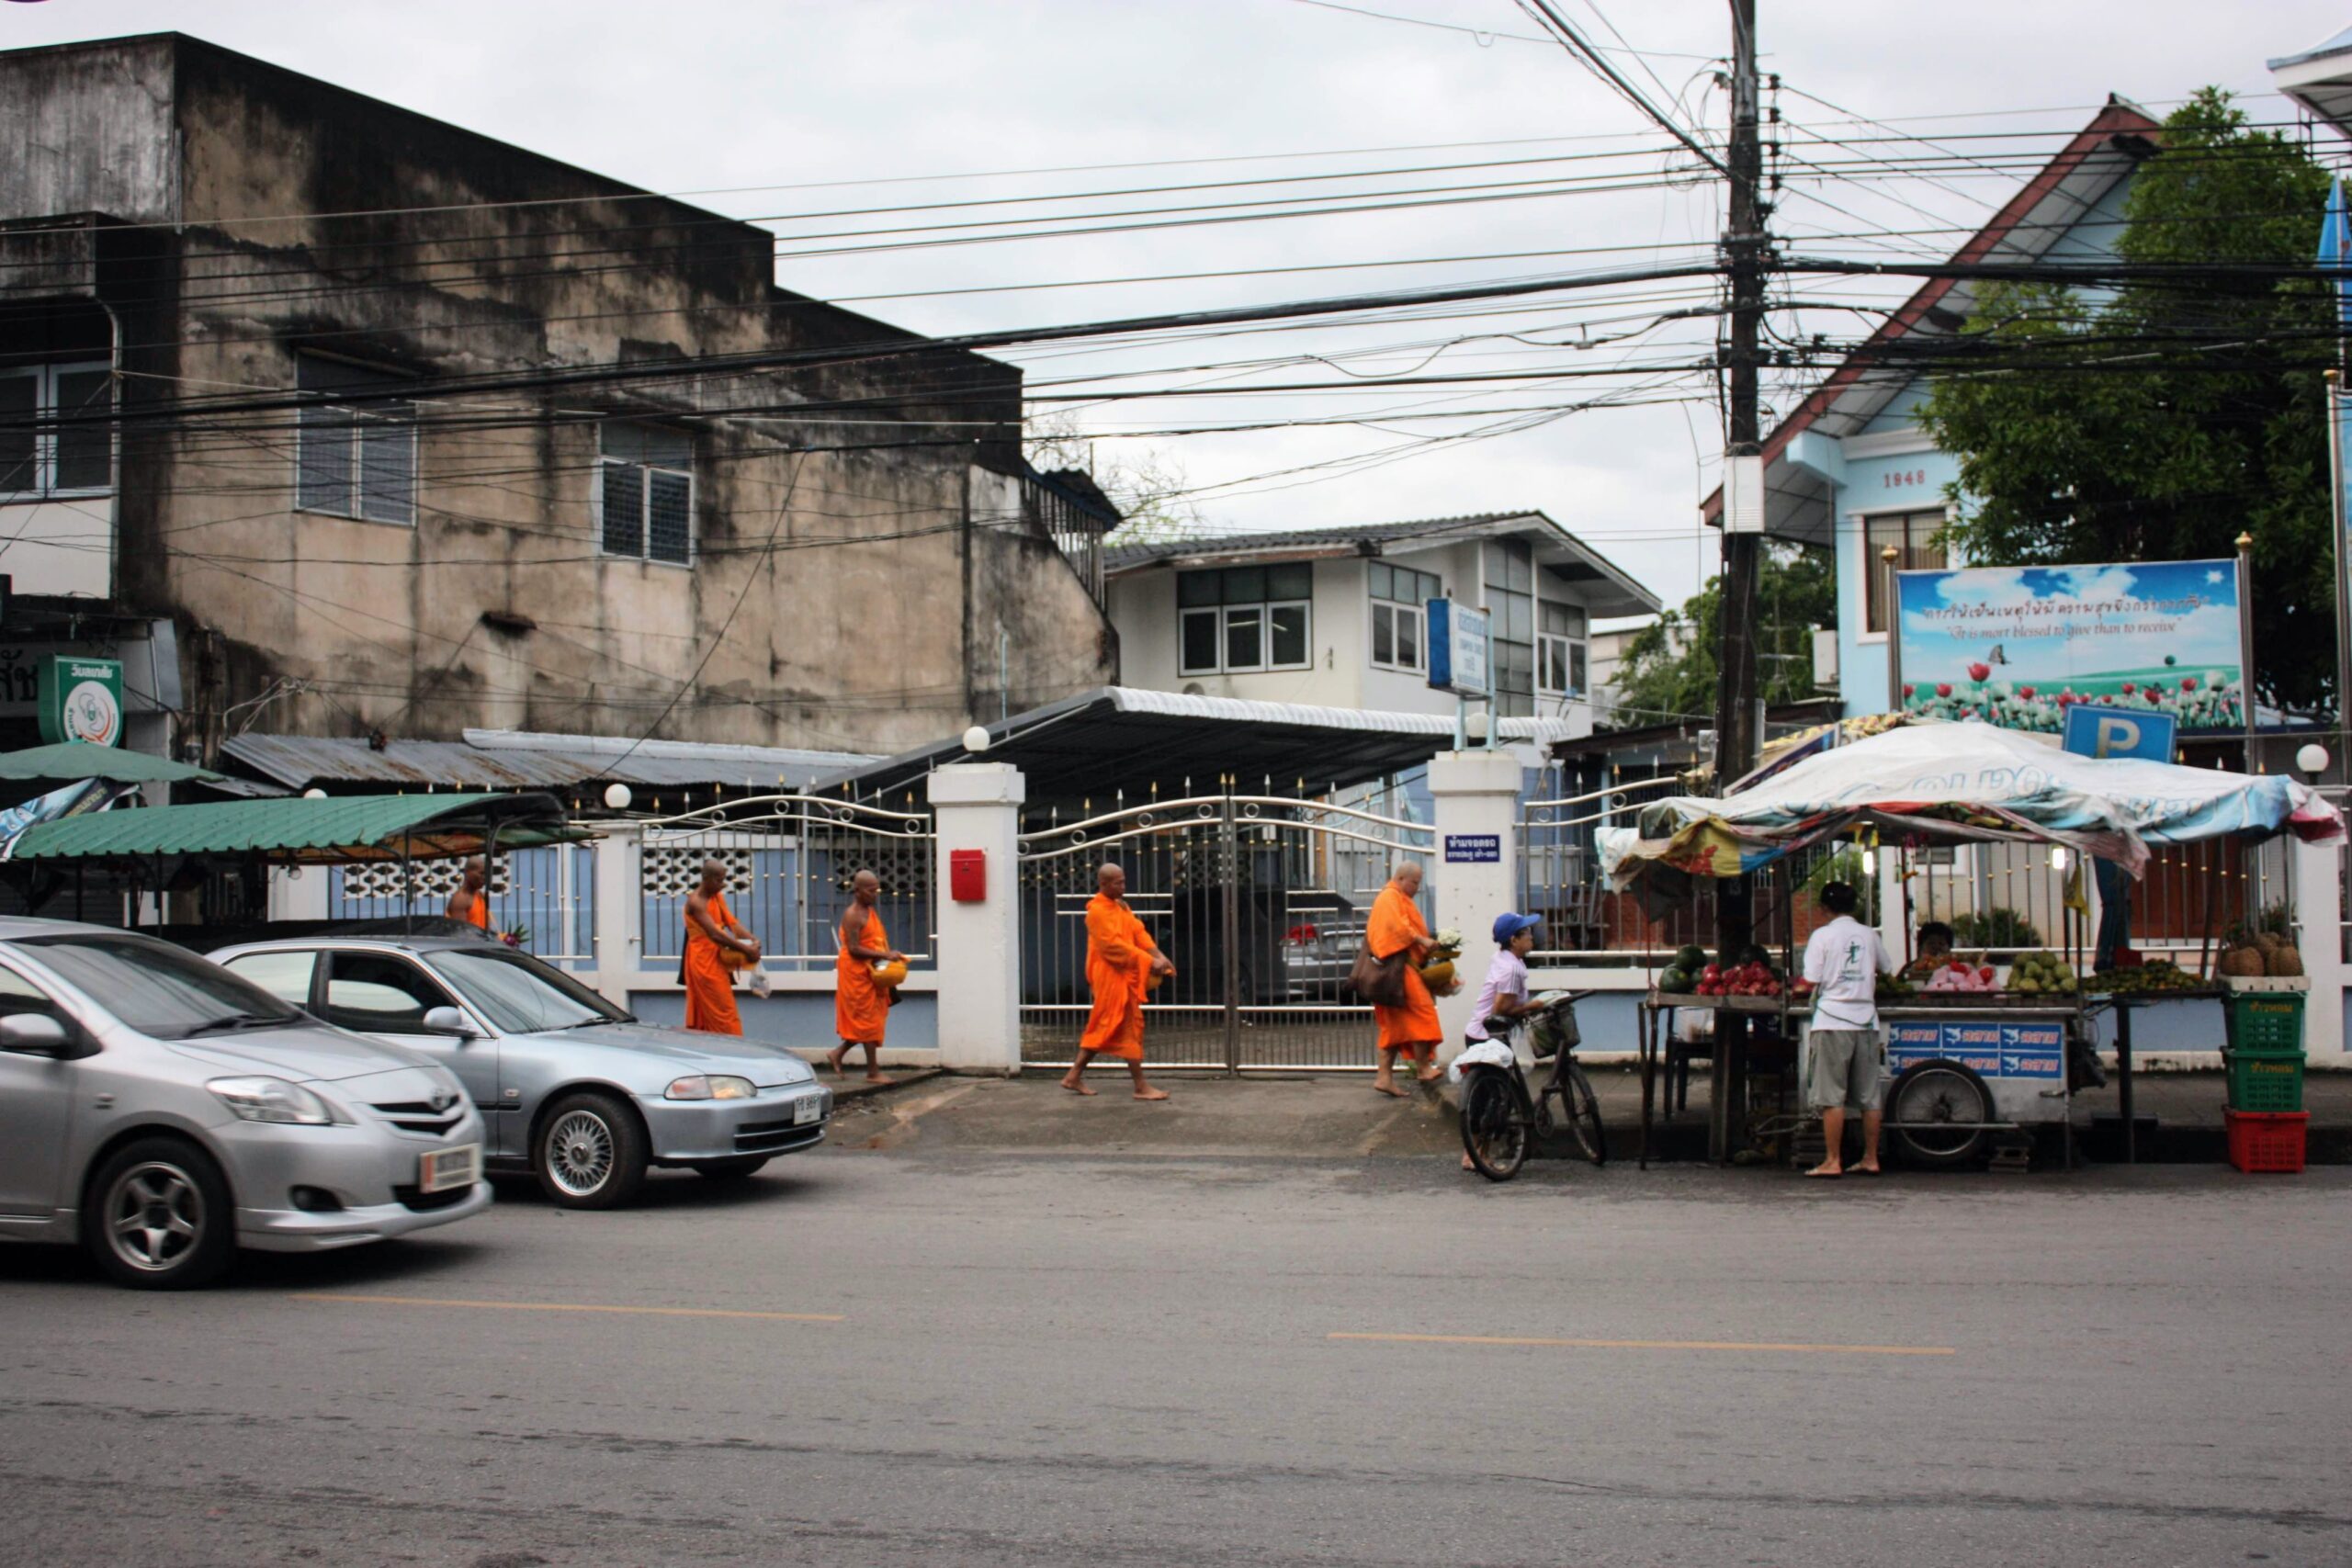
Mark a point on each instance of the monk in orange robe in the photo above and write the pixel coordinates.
(471, 902)
(1411, 1030)
(713, 931)
(860, 1004)
(1120, 954)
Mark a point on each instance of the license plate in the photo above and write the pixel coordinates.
(445, 1168)
(807, 1109)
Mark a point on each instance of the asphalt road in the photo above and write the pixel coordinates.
(1049, 1358)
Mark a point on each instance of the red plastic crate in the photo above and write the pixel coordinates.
(2267, 1141)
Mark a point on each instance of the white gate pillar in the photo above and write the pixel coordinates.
(977, 807)
(620, 878)
(2316, 881)
(1475, 866)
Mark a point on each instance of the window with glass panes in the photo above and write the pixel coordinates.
(67, 459)
(1913, 534)
(1400, 597)
(356, 460)
(1241, 618)
(645, 492)
(1559, 647)
(1511, 609)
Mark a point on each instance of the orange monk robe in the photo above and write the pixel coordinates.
(479, 910)
(1118, 956)
(861, 1007)
(1396, 922)
(710, 985)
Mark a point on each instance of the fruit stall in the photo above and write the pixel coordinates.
(1979, 1044)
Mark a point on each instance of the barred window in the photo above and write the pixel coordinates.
(645, 492)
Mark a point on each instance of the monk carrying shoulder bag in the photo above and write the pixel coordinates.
(1380, 981)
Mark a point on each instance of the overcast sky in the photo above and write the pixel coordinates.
(701, 95)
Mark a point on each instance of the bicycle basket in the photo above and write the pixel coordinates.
(1555, 1031)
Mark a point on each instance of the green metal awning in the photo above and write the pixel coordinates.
(72, 759)
(306, 832)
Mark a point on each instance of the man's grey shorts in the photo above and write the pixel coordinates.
(1845, 1069)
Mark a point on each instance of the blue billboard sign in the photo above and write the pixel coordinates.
(2096, 731)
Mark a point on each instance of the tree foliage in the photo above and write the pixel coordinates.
(1669, 669)
(1144, 483)
(2160, 422)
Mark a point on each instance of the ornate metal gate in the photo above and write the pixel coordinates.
(1259, 900)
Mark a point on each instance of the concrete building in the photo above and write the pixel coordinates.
(371, 423)
(1334, 617)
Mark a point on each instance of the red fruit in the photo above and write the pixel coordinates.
(1985, 973)
(1960, 964)
(1980, 673)
(1943, 688)
(1712, 972)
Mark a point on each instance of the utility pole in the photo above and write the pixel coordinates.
(1738, 723)
(1738, 717)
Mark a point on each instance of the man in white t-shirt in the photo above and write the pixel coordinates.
(1843, 961)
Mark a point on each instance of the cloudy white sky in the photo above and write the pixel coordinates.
(817, 102)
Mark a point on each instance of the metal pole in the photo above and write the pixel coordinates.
(2337, 477)
(1888, 557)
(2245, 640)
(1231, 837)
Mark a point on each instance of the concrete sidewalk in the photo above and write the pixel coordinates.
(1337, 1116)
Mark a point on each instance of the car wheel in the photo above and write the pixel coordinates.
(159, 1216)
(589, 1153)
(730, 1170)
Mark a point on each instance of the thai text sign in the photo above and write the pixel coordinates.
(1459, 649)
(1993, 1050)
(2019, 646)
(1474, 848)
(81, 699)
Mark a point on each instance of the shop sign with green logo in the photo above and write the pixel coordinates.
(81, 699)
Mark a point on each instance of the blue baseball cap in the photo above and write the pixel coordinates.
(1508, 926)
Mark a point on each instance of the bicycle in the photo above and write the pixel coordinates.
(1501, 1118)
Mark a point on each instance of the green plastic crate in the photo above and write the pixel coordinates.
(2265, 1021)
(2265, 1081)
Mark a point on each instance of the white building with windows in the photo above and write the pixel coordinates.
(1335, 617)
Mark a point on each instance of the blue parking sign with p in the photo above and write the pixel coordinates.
(2094, 731)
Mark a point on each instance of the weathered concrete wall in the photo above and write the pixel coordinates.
(844, 580)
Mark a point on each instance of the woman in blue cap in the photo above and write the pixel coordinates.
(1504, 993)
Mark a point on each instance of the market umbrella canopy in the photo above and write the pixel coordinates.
(306, 832)
(70, 759)
(1941, 782)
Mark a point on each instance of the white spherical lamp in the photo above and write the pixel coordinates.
(314, 794)
(2312, 758)
(616, 798)
(1475, 727)
(976, 739)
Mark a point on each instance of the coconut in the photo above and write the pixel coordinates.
(2284, 963)
(2270, 942)
(2244, 963)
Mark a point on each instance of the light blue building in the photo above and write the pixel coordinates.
(1850, 468)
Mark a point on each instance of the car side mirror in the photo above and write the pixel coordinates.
(35, 1035)
(449, 1020)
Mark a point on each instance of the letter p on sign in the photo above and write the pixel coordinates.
(2116, 737)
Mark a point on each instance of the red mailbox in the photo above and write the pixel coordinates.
(968, 876)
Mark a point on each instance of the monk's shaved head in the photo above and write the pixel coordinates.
(1112, 879)
(714, 873)
(1407, 875)
(865, 879)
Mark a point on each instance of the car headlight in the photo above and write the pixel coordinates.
(715, 1086)
(272, 1100)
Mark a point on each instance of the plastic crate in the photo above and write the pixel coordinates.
(2264, 1080)
(2267, 1142)
(2265, 1021)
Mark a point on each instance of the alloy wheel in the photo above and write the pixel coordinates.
(580, 1153)
(154, 1216)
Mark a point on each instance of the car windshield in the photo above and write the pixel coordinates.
(165, 992)
(520, 995)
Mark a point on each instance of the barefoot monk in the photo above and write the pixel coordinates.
(1411, 1030)
(713, 935)
(861, 1003)
(1120, 954)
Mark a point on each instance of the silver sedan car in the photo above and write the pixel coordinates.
(165, 1112)
(575, 1090)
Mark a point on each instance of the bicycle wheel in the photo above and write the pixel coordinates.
(1494, 1134)
(1584, 1116)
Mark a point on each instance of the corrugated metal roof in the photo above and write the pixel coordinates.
(503, 759)
(80, 759)
(337, 828)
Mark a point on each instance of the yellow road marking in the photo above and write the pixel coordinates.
(570, 1306)
(1653, 1343)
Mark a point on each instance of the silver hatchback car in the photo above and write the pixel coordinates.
(573, 1089)
(165, 1112)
